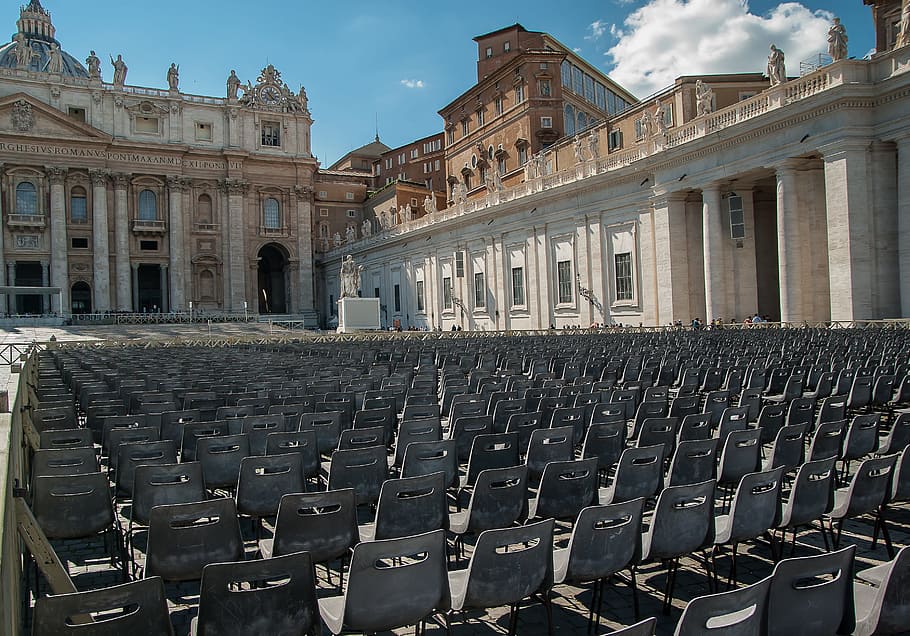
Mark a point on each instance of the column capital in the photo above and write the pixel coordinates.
(55, 174)
(99, 177)
(134, 266)
(711, 188)
(234, 186)
(121, 180)
(303, 191)
(835, 150)
(789, 165)
(175, 183)
(663, 199)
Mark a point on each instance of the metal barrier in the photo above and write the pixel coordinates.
(175, 318)
(12, 475)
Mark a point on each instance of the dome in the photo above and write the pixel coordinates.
(37, 32)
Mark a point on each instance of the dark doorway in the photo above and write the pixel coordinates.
(81, 298)
(150, 298)
(29, 275)
(273, 264)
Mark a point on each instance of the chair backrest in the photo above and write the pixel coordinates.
(789, 447)
(424, 458)
(72, 506)
(499, 498)
(220, 458)
(301, 442)
(64, 461)
(493, 450)
(684, 406)
(503, 410)
(827, 440)
(812, 494)
(129, 456)
(464, 431)
(327, 425)
(427, 429)
(362, 437)
(696, 426)
(647, 627)
(322, 523)
(608, 412)
(363, 469)
(258, 428)
(861, 437)
(683, 520)
(566, 487)
(66, 438)
(194, 431)
(509, 564)
(138, 607)
(812, 595)
(900, 485)
(638, 473)
(119, 436)
(548, 445)
(693, 462)
(771, 419)
(734, 418)
(715, 404)
(605, 441)
(414, 567)
(184, 538)
(524, 424)
(739, 455)
(247, 596)
(897, 438)
(411, 505)
(574, 416)
(870, 485)
(832, 409)
(264, 479)
(735, 613)
(756, 505)
(605, 539)
(801, 410)
(659, 431)
(890, 609)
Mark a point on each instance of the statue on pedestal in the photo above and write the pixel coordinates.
(646, 125)
(120, 70)
(350, 278)
(777, 68)
(336, 240)
(54, 59)
(173, 77)
(93, 62)
(367, 228)
(233, 85)
(903, 39)
(350, 234)
(704, 98)
(429, 204)
(579, 150)
(837, 41)
(660, 121)
(593, 143)
(23, 51)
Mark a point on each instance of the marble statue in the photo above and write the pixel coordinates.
(646, 124)
(350, 277)
(579, 150)
(903, 38)
(54, 59)
(777, 68)
(404, 214)
(497, 179)
(120, 70)
(460, 193)
(173, 76)
(233, 85)
(290, 99)
(93, 62)
(529, 167)
(660, 121)
(23, 51)
(837, 41)
(336, 240)
(367, 228)
(302, 98)
(350, 234)
(429, 204)
(541, 164)
(704, 99)
(593, 145)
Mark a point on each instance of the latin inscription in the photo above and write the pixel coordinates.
(125, 157)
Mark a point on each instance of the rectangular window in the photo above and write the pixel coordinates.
(507, 46)
(518, 286)
(502, 164)
(489, 52)
(446, 292)
(148, 246)
(79, 243)
(519, 93)
(147, 125)
(388, 163)
(480, 290)
(459, 264)
(600, 96)
(450, 136)
(375, 292)
(352, 214)
(578, 81)
(203, 131)
(76, 113)
(522, 155)
(436, 164)
(564, 282)
(419, 295)
(414, 153)
(565, 71)
(546, 122)
(78, 208)
(623, 273)
(376, 169)
(465, 127)
(589, 88)
(737, 220)
(480, 118)
(271, 134)
(544, 88)
(497, 105)
(614, 140)
(349, 196)
(323, 211)
(323, 194)
(396, 292)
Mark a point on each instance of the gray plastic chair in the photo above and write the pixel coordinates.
(754, 511)
(303, 443)
(566, 487)
(812, 596)
(508, 565)
(274, 596)
(408, 506)
(417, 430)
(129, 456)
(363, 469)
(548, 445)
(605, 540)
(64, 461)
(695, 426)
(771, 419)
(811, 497)
(861, 439)
(352, 438)
(179, 547)
(145, 599)
(789, 448)
(263, 481)
(693, 462)
(424, 458)
(739, 456)
(638, 474)
(493, 450)
(647, 627)
(324, 524)
(220, 458)
(498, 500)
(258, 427)
(866, 493)
(882, 606)
(682, 524)
(66, 438)
(327, 425)
(411, 569)
(827, 441)
(524, 424)
(605, 441)
(735, 613)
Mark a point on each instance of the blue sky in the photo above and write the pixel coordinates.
(402, 60)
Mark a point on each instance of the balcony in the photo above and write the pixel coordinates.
(273, 232)
(26, 221)
(141, 226)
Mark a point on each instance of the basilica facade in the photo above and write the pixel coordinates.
(119, 198)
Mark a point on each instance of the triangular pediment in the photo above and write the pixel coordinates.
(22, 114)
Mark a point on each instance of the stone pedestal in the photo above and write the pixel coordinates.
(358, 314)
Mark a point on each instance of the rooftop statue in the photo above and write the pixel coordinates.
(777, 69)
(837, 41)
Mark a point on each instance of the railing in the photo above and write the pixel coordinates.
(173, 318)
(13, 352)
(25, 220)
(12, 475)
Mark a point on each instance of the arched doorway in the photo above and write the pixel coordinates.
(81, 298)
(273, 265)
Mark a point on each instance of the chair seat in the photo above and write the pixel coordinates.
(458, 587)
(874, 575)
(560, 565)
(265, 548)
(841, 503)
(723, 527)
(864, 601)
(458, 522)
(367, 532)
(331, 609)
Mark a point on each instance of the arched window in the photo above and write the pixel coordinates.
(148, 206)
(570, 119)
(204, 209)
(78, 206)
(26, 198)
(271, 215)
(323, 230)
(582, 120)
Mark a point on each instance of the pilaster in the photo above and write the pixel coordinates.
(177, 288)
(672, 259)
(903, 222)
(122, 243)
(59, 275)
(236, 190)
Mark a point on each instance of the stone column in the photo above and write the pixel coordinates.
(3, 279)
(175, 242)
(789, 244)
(101, 279)
(848, 202)
(59, 276)
(237, 261)
(135, 288)
(122, 242)
(165, 305)
(306, 301)
(713, 230)
(11, 281)
(45, 282)
(672, 266)
(903, 221)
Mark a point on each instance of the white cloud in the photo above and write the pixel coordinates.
(412, 83)
(664, 39)
(596, 29)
